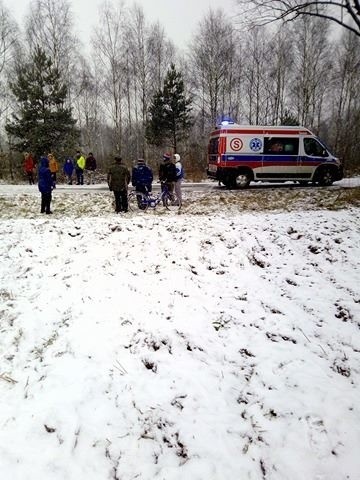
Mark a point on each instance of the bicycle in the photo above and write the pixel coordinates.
(143, 201)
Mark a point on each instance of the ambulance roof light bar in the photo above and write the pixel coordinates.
(224, 121)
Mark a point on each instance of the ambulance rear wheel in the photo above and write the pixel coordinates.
(242, 180)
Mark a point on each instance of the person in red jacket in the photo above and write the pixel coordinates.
(29, 167)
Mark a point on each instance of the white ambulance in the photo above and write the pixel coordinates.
(239, 154)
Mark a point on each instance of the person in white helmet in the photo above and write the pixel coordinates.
(179, 177)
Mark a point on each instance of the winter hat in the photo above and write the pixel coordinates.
(166, 157)
(177, 157)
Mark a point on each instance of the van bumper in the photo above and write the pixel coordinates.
(219, 173)
(340, 173)
(211, 174)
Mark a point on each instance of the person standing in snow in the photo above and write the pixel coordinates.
(79, 168)
(68, 169)
(167, 173)
(90, 167)
(118, 179)
(45, 185)
(54, 167)
(179, 177)
(29, 166)
(141, 178)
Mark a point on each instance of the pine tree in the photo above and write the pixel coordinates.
(170, 109)
(155, 126)
(42, 123)
(288, 118)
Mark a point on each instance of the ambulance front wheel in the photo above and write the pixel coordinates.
(325, 177)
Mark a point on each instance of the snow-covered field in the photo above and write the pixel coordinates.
(219, 344)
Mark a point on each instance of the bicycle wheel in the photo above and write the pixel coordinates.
(137, 201)
(171, 203)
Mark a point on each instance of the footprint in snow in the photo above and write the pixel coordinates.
(318, 437)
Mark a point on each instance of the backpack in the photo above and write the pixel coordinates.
(179, 171)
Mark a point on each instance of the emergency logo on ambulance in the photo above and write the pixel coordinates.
(255, 144)
(236, 144)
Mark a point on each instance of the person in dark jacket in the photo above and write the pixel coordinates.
(45, 185)
(69, 169)
(167, 173)
(118, 179)
(142, 177)
(90, 167)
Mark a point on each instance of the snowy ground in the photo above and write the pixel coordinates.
(221, 343)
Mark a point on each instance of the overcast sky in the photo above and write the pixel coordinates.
(179, 17)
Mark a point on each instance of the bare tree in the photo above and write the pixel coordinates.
(346, 99)
(161, 54)
(279, 65)
(256, 94)
(109, 46)
(137, 38)
(8, 48)
(345, 13)
(312, 70)
(150, 54)
(88, 108)
(49, 25)
(211, 58)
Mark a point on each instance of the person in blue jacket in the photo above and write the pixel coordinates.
(45, 184)
(68, 169)
(141, 179)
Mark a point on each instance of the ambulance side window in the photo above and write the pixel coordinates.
(214, 146)
(281, 146)
(313, 148)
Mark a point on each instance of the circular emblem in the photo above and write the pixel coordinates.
(255, 144)
(236, 144)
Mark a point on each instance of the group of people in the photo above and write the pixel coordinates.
(171, 175)
(30, 167)
(48, 169)
(80, 165)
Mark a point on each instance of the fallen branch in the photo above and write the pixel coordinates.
(120, 368)
(6, 377)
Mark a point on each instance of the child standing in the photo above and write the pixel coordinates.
(68, 169)
(54, 167)
(29, 166)
(45, 185)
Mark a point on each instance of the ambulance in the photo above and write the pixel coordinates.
(240, 154)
